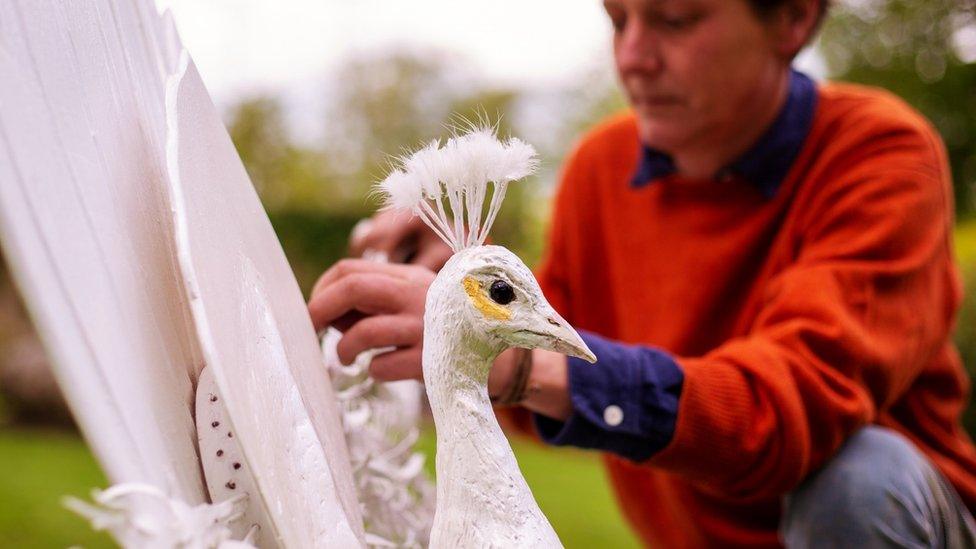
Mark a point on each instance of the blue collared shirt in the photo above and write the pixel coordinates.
(770, 158)
(627, 403)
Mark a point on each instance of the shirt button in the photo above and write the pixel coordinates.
(613, 415)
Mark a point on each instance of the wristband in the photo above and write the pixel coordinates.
(516, 391)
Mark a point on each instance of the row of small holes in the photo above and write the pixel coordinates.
(230, 484)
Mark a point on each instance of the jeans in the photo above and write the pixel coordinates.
(878, 491)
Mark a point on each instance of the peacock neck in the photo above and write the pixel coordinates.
(480, 489)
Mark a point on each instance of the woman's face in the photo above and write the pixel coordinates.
(694, 70)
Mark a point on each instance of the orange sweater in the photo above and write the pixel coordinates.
(796, 319)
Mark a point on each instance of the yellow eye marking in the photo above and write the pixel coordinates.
(481, 302)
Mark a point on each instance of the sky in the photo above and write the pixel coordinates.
(250, 46)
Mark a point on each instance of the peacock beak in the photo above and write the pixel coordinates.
(562, 338)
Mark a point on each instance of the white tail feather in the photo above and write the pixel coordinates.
(142, 515)
(446, 186)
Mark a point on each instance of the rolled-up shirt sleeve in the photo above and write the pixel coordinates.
(626, 403)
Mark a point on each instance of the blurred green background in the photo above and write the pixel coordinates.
(923, 50)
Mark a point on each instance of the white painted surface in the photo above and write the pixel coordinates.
(255, 331)
(482, 497)
(86, 229)
(224, 467)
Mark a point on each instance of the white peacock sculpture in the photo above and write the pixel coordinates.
(179, 335)
(482, 302)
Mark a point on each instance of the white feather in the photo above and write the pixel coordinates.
(447, 185)
(426, 166)
(402, 191)
(519, 161)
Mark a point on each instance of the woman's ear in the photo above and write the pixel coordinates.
(793, 25)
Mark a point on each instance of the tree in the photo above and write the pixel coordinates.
(925, 52)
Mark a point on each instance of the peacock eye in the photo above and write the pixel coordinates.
(501, 292)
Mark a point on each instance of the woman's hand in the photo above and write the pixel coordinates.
(375, 305)
(402, 238)
(382, 305)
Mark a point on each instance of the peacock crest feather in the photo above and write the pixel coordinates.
(447, 185)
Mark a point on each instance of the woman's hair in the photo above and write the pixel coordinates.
(766, 7)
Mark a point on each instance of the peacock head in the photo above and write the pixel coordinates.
(457, 189)
(500, 303)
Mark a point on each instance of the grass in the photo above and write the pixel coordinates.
(40, 466)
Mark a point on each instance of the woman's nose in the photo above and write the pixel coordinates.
(637, 48)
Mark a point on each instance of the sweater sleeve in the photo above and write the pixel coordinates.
(840, 334)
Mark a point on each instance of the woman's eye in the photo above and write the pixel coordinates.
(501, 292)
(678, 23)
(618, 18)
(675, 22)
